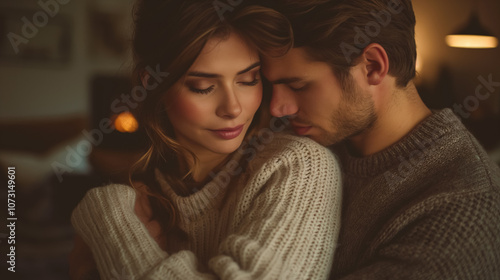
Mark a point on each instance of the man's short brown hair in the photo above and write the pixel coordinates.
(337, 31)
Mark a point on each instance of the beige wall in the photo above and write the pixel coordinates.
(436, 19)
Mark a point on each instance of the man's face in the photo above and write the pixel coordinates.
(309, 92)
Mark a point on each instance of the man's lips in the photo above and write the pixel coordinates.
(229, 132)
(301, 129)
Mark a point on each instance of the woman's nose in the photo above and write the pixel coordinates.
(230, 106)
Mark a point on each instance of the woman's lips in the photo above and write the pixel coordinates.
(229, 133)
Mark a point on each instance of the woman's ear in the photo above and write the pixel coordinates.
(376, 63)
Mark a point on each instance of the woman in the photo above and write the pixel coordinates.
(220, 193)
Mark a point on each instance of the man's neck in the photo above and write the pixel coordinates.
(403, 112)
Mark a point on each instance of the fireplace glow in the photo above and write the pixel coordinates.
(126, 122)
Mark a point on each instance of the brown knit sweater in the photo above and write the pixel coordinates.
(428, 208)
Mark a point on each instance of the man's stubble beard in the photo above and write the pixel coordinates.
(355, 115)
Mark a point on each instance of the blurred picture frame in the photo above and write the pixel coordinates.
(34, 36)
(109, 30)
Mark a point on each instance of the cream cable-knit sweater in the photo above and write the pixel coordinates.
(278, 220)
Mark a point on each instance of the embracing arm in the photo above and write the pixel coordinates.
(290, 231)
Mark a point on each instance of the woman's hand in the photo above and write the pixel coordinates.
(81, 262)
(144, 212)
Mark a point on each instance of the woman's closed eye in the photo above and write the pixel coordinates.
(204, 87)
(251, 79)
(202, 90)
(252, 83)
(201, 86)
(212, 87)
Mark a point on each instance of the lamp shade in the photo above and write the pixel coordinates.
(472, 36)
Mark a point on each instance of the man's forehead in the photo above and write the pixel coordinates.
(289, 66)
(295, 55)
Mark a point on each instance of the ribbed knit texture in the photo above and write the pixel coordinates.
(427, 207)
(278, 220)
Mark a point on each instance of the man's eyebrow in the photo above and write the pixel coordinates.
(211, 75)
(286, 81)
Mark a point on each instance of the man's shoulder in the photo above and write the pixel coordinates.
(458, 159)
(453, 174)
(449, 157)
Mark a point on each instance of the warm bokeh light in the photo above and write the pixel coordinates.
(472, 41)
(419, 64)
(126, 122)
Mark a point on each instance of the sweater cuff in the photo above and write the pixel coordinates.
(120, 243)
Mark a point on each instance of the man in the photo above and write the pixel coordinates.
(421, 197)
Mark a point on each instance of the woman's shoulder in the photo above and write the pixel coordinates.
(110, 189)
(291, 164)
(292, 140)
(287, 144)
(121, 195)
(112, 193)
(115, 198)
(290, 150)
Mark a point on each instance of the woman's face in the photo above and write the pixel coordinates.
(215, 102)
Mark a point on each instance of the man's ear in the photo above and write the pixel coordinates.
(376, 61)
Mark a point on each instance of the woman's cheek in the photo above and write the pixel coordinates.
(186, 110)
(254, 100)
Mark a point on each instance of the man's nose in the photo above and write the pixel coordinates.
(283, 103)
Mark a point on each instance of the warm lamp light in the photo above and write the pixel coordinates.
(472, 36)
(472, 41)
(126, 123)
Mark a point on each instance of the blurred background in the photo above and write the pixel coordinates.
(64, 64)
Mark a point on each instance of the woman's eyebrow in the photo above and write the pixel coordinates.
(210, 75)
(256, 64)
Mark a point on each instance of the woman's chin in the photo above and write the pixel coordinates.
(226, 148)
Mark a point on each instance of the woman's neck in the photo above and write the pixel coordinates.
(207, 163)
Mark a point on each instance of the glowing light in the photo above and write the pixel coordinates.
(126, 123)
(419, 64)
(472, 41)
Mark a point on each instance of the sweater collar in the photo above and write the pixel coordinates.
(420, 138)
(209, 197)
